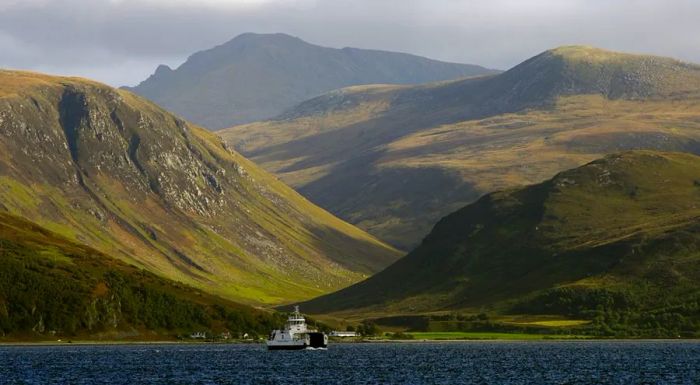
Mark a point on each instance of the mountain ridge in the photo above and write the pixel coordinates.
(257, 76)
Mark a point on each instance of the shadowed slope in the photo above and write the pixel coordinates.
(627, 223)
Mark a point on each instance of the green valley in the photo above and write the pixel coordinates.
(606, 247)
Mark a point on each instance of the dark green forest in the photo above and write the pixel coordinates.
(52, 287)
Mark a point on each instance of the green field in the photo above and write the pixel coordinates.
(555, 323)
(437, 336)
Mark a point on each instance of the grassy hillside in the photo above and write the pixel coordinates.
(614, 241)
(109, 169)
(51, 287)
(393, 160)
(258, 76)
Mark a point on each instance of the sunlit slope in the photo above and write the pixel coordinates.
(51, 287)
(114, 171)
(394, 160)
(623, 229)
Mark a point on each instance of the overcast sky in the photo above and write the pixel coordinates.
(121, 42)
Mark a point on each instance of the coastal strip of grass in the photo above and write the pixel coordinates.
(437, 336)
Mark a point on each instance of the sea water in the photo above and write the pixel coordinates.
(576, 362)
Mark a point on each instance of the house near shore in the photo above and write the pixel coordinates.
(342, 334)
(198, 335)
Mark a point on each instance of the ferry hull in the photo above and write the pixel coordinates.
(286, 347)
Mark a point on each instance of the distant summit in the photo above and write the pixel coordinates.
(574, 70)
(563, 71)
(258, 76)
(162, 70)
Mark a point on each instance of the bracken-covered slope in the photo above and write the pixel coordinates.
(394, 159)
(625, 228)
(51, 287)
(114, 171)
(258, 76)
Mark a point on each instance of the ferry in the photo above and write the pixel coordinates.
(296, 336)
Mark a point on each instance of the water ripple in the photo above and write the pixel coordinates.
(507, 363)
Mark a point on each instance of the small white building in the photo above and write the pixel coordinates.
(338, 333)
(198, 335)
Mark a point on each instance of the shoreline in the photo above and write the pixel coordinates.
(378, 342)
(118, 342)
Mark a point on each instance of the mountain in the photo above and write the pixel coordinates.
(617, 235)
(110, 170)
(394, 159)
(51, 287)
(258, 76)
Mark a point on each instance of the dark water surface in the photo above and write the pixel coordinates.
(653, 362)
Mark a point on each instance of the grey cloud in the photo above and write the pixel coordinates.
(121, 42)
